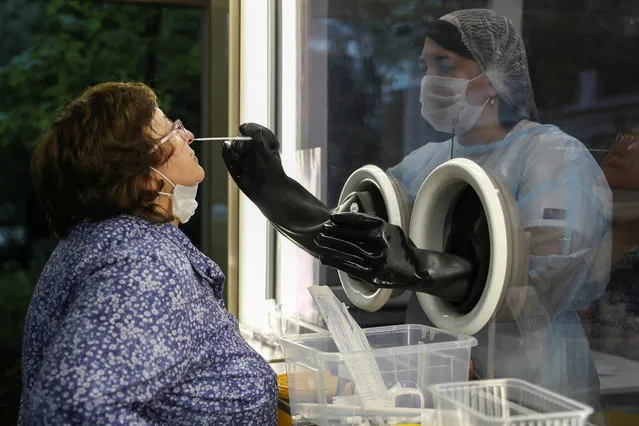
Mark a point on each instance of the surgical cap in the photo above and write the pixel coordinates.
(496, 45)
(447, 36)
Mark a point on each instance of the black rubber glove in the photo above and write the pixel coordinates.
(377, 252)
(256, 168)
(392, 260)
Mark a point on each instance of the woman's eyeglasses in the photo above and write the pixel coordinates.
(632, 141)
(178, 129)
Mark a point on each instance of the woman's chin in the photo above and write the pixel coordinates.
(201, 174)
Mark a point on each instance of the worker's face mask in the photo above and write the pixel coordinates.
(183, 202)
(444, 104)
(625, 205)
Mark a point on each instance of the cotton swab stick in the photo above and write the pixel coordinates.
(229, 138)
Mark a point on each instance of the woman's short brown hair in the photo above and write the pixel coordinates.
(94, 161)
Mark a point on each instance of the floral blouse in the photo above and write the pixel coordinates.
(127, 326)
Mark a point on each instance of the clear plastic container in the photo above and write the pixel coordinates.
(409, 357)
(509, 402)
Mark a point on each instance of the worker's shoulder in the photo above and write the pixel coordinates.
(550, 145)
(549, 137)
(553, 152)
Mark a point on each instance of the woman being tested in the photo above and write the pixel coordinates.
(127, 324)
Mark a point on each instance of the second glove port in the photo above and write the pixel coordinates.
(461, 209)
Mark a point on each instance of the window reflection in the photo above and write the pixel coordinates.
(614, 319)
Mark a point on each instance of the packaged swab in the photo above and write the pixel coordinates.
(349, 337)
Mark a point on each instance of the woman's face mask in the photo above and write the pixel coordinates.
(444, 104)
(183, 203)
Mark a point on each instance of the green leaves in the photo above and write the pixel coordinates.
(51, 51)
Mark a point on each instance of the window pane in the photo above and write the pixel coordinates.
(364, 100)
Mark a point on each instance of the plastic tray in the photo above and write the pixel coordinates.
(322, 390)
(509, 402)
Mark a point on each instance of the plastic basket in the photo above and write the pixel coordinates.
(509, 402)
(321, 389)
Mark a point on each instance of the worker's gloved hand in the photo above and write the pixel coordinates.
(373, 250)
(256, 168)
(254, 165)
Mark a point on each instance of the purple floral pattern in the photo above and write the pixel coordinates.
(127, 326)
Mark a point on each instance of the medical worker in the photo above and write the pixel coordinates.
(476, 86)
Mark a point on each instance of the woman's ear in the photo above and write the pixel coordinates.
(481, 91)
(493, 97)
(151, 182)
(490, 90)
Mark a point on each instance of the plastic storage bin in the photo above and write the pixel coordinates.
(509, 402)
(322, 391)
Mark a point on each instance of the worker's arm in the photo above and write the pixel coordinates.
(565, 204)
(367, 246)
(385, 258)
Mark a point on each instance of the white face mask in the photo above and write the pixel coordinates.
(183, 199)
(444, 104)
(625, 205)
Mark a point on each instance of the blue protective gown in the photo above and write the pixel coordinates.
(558, 187)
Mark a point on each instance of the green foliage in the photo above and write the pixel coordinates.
(50, 52)
(71, 45)
(16, 286)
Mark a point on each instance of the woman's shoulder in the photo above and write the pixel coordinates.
(114, 232)
(93, 243)
(116, 250)
(123, 250)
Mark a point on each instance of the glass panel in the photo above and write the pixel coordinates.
(50, 52)
(363, 100)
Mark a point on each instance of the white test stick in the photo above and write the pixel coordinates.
(229, 138)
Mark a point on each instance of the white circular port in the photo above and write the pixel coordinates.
(372, 178)
(508, 255)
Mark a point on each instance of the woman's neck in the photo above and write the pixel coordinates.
(486, 130)
(164, 203)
